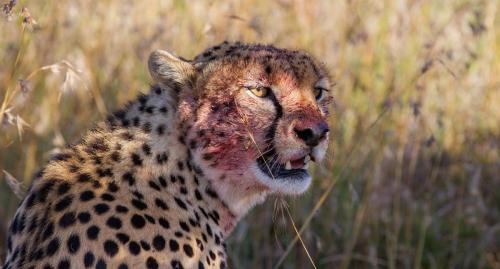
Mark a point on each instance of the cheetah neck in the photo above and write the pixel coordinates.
(160, 143)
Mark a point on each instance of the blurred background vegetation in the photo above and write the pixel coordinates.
(413, 176)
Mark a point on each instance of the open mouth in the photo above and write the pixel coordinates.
(291, 169)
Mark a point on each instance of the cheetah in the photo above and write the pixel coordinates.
(162, 182)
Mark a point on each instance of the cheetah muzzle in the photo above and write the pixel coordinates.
(163, 181)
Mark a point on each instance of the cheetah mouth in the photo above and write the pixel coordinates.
(291, 169)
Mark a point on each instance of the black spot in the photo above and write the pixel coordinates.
(139, 204)
(84, 217)
(96, 184)
(115, 156)
(138, 195)
(138, 221)
(216, 214)
(209, 230)
(136, 121)
(44, 190)
(104, 172)
(64, 264)
(101, 264)
(146, 148)
(114, 223)
(142, 99)
(164, 223)
(188, 250)
(197, 194)
(98, 145)
(87, 196)
(150, 109)
(84, 178)
(159, 242)
(161, 204)
(121, 209)
(123, 266)
(52, 247)
(67, 219)
(61, 157)
(120, 114)
(93, 232)
(184, 226)
(211, 193)
(192, 144)
(199, 244)
(176, 264)
(136, 159)
(163, 109)
(112, 187)
(134, 248)
(107, 197)
(149, 218)
(123, 238)
(174, 246)
(129, 177)
(162, 158)
(153, 185)
(101, 208)
(162, 181)
(110, 247)
(180, 165)
(151, 263)
(180, 203)
(160, 129)
(63, 203)
(88, 259)
(193, 222)
(200, 265)
(63, 188)
(268, 69)
(183, 190)
(145, 245)
(73, 243)
(181, 179)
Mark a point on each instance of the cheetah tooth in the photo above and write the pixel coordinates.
(307, 159)
(288, 165)
(306, 166)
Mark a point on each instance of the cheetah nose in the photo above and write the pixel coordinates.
(311, 134)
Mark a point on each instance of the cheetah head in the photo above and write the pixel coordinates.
(253, 116)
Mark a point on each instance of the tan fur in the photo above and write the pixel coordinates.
(181, 160)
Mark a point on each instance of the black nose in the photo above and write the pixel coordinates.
(311, 135)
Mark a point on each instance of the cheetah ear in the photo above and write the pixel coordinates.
(168, 69)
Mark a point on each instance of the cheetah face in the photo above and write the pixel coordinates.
(288, 119)
(255, 115)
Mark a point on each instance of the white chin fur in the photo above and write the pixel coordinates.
(284, 186)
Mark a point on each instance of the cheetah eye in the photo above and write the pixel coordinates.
(260, 91)
(318, 92)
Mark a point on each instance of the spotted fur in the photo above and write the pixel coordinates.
(163, 181)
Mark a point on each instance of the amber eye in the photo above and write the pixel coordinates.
(318, 92)
(260, 91)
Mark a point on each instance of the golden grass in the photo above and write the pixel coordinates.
(413, 176)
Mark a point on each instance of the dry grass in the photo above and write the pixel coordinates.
(413, 179)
